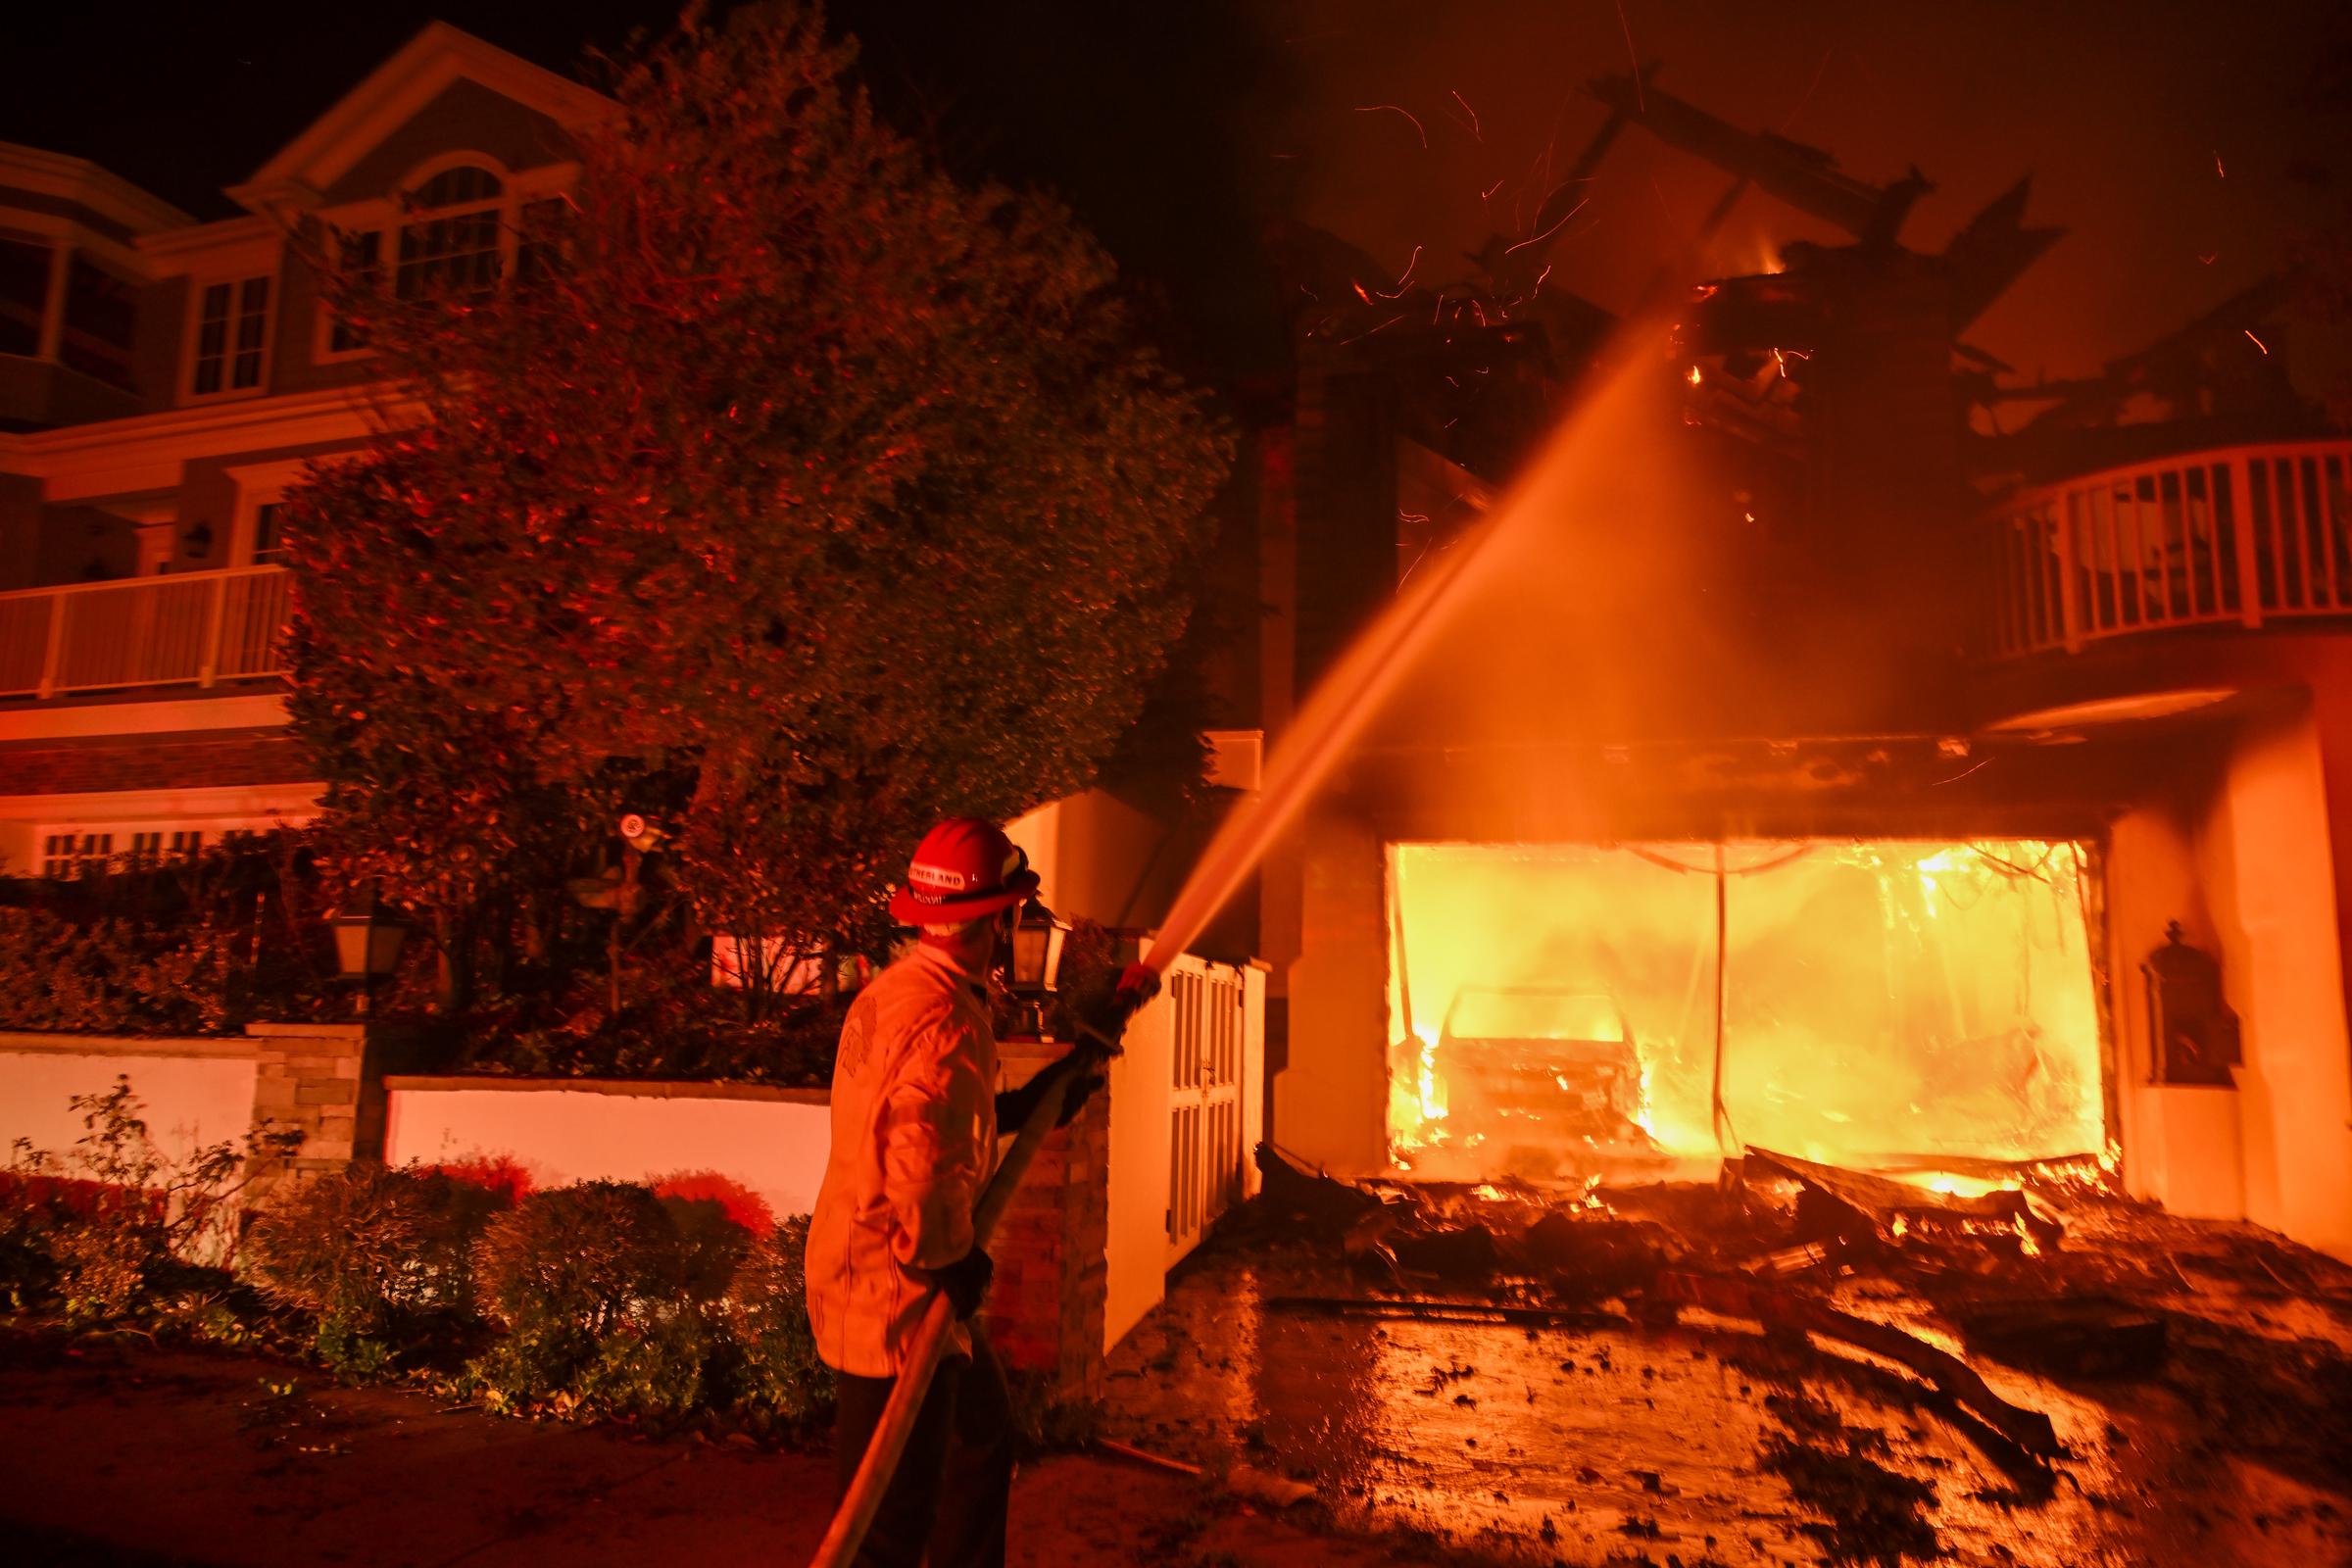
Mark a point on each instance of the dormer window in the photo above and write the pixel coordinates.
(451, 237)
(459, 229)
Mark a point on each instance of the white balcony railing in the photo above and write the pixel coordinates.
(188, 630)
(2240, 536)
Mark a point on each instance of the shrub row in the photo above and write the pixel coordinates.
(598, 1298)
(657, 1302)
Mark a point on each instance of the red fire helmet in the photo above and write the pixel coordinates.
(964, 869)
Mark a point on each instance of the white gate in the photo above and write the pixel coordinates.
(1204, 1102)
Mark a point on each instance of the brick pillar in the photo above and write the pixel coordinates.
(326, 1082)
(1046, 1311)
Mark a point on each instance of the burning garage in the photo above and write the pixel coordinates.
(1880, 1004)
(1827, 740)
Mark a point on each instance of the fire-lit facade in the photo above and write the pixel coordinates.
(1832, 768)
(162, 380)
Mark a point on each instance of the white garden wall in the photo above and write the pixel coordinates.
(771, 1140)
(193, 1092)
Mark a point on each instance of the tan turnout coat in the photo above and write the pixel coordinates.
(914, 1138)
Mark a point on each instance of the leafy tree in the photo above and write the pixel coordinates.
(791, 477)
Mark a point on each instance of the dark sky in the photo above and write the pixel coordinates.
(2177, 143)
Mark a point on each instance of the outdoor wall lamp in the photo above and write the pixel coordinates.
(1037, 938)
(367, 939)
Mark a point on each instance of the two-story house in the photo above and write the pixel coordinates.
(161, 383)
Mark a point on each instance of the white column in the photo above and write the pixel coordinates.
(53, 307)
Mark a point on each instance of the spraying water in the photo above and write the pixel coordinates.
(1353, 691)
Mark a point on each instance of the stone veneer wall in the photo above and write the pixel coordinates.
(326, 1082)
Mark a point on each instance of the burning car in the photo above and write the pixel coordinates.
(1546, 1077)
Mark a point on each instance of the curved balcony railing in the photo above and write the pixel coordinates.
(2243, 536)
(183, 630)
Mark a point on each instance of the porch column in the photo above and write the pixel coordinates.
(1331, 1097)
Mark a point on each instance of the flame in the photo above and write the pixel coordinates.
(1884, 1000)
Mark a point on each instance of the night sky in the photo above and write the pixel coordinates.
(2186, 148)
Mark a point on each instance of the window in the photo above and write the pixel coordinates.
(101, 313)
(268, 543)
(450, 239)
(539, 248)
(66, 855)
(232, 322)
(361, 253)
(24, 295)
(72, 855)
(459, 233)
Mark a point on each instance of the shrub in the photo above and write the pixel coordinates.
(197, 945)
(33, 1206)
(657, 1370)
(378, 1257)
(97, 1229)
(565, 1268)
(503, 1176)
(780, 1378)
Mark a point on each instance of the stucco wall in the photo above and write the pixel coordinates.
(2265, 859)
(771, 1141)
(2151, 880)
(194, 1092)
(1329, 1099)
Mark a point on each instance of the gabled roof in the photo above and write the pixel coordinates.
(392, 94)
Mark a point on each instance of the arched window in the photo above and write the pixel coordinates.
(450, 238)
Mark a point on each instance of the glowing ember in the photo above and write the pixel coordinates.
(1881, 1004)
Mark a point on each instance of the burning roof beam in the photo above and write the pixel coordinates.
(1992, 252)
(1806, 177)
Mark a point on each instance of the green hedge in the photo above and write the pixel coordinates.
(600, 1299)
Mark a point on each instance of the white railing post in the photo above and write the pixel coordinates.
(209, 650)
(2249, 569)
(2062, 523)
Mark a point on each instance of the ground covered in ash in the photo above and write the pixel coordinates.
(2055, 1377)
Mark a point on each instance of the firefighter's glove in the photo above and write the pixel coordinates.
(1108, 1015)
(966, 1281)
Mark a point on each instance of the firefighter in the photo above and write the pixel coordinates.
(915, 1114)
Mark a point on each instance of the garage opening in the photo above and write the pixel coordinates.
(1558, 1010)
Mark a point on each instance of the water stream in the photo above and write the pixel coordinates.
(1352, 693)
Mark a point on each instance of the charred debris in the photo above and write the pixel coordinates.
(2039, 1269)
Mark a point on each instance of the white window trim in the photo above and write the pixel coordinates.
(124, 836)
(257, 485)
(379, 218)
(383, 217)
(192, 328)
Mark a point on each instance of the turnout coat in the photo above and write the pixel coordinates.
(914, 1138)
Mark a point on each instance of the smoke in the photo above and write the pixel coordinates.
(2119, 112)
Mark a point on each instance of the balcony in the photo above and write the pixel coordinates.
(2243, 536)
(191, 630)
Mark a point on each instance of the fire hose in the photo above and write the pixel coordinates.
(856, 1512)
